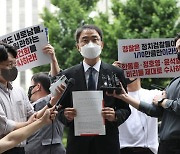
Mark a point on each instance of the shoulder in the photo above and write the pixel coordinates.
(73, 68)
(69, 72)
(111, 67)
(18, 89)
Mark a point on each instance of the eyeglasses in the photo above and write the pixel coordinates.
(86, 40)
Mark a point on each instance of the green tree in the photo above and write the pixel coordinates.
(138, 19)
(61, 26)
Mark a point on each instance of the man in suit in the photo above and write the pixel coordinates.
(47, 140)
(115, 112)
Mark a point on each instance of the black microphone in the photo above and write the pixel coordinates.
(70, 84)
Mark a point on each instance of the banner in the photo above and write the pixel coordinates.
(149, 58)
(29, 43)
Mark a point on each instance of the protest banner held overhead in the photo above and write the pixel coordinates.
(29, 43)
(149, 58)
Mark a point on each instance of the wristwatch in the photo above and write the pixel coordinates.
(160, 101)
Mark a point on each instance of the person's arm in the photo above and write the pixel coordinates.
(59, 91)
(17, 136)
(55, 69)
(149, 109)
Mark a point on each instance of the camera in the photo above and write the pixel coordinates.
(61, 80)
(111, 83)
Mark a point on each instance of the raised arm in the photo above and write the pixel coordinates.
(17, 136)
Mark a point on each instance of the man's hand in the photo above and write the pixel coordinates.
(119, 96)
(159, 97)
(32, 118)
(49, 50)
(70, 113)
(117, 64)
(49, 115)
(108, 113)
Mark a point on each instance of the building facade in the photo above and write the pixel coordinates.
(18, 14)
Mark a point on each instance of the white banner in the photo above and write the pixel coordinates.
(29, 43)
(149, 58)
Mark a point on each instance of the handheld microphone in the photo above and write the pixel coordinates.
(70, 84)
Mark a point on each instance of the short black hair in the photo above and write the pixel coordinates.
(177, 37)
(80, 29)
(5, 49)
(43, 79)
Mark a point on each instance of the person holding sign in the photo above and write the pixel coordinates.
(166, 106)
(49, 50)
(15, 109)
(88, 75)
(139, 133)
(17, 136)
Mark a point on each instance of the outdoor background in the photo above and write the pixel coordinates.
(127, 19)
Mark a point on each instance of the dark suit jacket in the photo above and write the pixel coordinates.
(103, 144)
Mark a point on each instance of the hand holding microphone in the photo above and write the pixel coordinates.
(59, 90)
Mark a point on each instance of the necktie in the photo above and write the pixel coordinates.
(91, 80)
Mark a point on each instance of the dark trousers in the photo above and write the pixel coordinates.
(103, 144)
(169, 147)
(136, 150)
(16, 150)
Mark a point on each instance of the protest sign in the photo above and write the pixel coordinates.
(29, 43)
(149, 58)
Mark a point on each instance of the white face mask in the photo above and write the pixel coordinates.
(90, 50)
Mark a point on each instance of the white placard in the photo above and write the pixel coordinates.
(89, 120)
(149, 58)
(29, 43)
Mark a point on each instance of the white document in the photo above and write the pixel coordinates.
(89, 120)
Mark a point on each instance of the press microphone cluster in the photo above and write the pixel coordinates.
(69, 85)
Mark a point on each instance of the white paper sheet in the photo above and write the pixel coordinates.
(89, 120)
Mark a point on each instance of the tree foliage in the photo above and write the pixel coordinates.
(129, 19)
(61, 24)
(138, 19)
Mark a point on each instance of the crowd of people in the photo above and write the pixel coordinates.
(31, 124)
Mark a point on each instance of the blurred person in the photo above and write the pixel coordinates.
(166, 106)
(89, 42)
(17, 136)
(15, 109)
(47, 140)
(139, 133)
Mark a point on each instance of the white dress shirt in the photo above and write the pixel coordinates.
(140, 130)
(96, 73)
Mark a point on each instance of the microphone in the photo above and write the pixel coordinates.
(70, 84)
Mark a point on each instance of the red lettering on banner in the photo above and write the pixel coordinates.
(151, 63)
(171, 61)
(131, 48)
(130, 66)
(125, 48)
(152, 71)
(23, 52)
(134, 73)
(169, 69)
(26, 59)
(136, 65)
